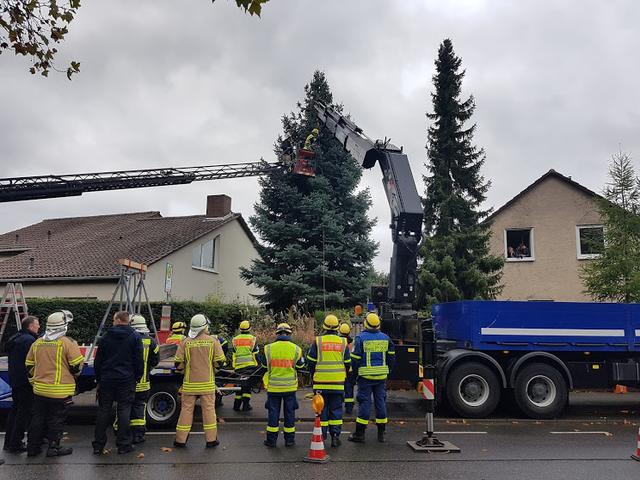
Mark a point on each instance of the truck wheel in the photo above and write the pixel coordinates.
(540, 391)
(473, 390)
(163, 406)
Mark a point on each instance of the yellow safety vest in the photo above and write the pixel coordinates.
(144, 384)
(174, 339)
(330, 372)
(243, 351)
(282, 357)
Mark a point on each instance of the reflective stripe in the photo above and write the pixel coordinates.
(349, 400)
(138, 422)
(273, 429)
(381, 420)
(324, 423)
(246, 395)
(335, 422)
(209, 426)
(362, 421)
(183, 428)
(289, 429)
(76, 361)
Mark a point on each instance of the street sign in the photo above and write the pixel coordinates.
(168, 275)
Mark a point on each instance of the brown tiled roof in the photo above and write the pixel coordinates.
(90, 246)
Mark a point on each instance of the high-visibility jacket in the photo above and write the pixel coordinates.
(245, 348)
(196, 358)
(373, 355)
(281, 359)
(174, 339)
(150, 358)
(329, 357)
(53, 365)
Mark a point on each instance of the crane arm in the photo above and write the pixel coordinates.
(51, 186)
(401, 192)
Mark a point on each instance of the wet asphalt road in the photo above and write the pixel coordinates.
(490, 450)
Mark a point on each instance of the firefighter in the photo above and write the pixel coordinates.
(311, 139)
(244, 350)
(21, 391)
(373, 358)
(196, 358)
(329, 361)
(53, 362)
(349, 383)
(150, 357)
(177, 333)
(281, 359)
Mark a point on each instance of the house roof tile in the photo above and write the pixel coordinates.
(89, 247)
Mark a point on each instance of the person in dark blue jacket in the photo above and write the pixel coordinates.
(373, 357)
(118, 365)
(21, 392)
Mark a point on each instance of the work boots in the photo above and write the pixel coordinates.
(335, 441)
(381, 430)
(246, 407)
(55, 450)
(358, 435)
(237, 403)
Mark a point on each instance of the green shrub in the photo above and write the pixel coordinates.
(87, 314)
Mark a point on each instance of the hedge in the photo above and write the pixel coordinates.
(87, 314)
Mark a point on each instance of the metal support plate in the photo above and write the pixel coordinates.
(444, 447)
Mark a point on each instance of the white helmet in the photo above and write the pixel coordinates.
(139, 323)
(59, 319)
(198, 321)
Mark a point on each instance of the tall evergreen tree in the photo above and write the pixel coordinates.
(614, 276)
(316, 247)
(455, 261)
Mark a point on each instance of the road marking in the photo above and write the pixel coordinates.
(202, 433)
(554, 332)
(597, 432)
(461, 433)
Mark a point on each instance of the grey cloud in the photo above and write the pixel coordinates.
(195, 83)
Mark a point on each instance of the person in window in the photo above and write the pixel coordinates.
(523, 250)
(511, 252)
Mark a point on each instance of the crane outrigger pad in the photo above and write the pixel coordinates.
(435, 446)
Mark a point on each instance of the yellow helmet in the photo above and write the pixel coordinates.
(178, 327)
(245, 326)
(372, 321)
(331, 322)
(283, 328)
(315, 131)
(344, 329)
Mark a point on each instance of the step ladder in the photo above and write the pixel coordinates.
(12, 307)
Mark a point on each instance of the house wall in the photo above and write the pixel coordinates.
(553, 209)
(234, 250)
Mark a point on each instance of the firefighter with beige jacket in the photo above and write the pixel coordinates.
(197, 357)
(53, 362)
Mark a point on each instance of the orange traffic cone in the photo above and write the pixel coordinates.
(620, 389)
(317, 453)
(636, 457)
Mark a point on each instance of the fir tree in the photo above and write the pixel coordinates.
(455, 259)
(614, 276)
(315, 247)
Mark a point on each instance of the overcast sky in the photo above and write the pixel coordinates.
(166, 83)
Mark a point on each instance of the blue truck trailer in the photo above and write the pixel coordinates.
(537, 351)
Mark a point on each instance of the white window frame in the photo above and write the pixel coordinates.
(216, 255)
(532, 247)
(579, 254)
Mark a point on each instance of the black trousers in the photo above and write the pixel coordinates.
(123, 395)
(19, 416)
(49, 415)
(138, 414)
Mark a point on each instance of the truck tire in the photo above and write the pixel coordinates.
(473, 390)
(540, 391)
(163, 406)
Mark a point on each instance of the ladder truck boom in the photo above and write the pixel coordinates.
(51, 186)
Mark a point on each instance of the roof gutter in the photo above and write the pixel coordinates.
(57, 279)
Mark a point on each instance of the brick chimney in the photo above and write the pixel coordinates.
(218, 206)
